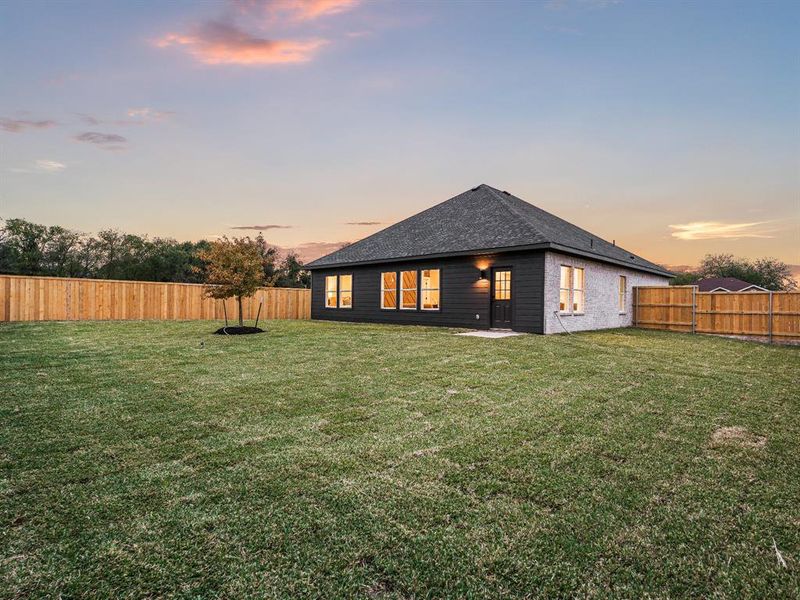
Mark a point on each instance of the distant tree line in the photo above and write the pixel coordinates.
(31, 249)
(769, 273)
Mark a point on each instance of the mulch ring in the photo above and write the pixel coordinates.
(238, 330)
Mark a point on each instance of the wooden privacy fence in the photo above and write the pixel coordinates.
(24, 298)
(773, 315)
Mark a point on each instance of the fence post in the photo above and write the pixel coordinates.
(635, 303)
(694, 309)
(769, 328)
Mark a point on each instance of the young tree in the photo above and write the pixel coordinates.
(233, 268)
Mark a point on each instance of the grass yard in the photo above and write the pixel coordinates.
(336, 460)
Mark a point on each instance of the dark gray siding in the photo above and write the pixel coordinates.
(463, 296)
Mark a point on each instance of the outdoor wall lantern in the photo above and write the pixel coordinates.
(483, 274)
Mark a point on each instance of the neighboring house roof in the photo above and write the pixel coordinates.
(726, 284)
(479, 220)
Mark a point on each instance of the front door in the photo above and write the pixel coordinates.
(501, 298)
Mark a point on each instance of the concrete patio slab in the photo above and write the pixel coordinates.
(491, 334)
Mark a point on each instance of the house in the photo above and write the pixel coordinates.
(482, 259)
(727, 284)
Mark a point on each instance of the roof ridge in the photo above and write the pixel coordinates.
(504, 197)
(507, 197)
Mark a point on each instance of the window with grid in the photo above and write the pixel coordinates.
(389, 290)
(330, 291)
(564, 290)
(623, 293)
(430, 289)
(408, 290)
(502, 285)
(571, 293)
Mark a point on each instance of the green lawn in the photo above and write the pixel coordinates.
(337, 460)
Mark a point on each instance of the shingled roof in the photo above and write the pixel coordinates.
(730, 284)
(482, 219)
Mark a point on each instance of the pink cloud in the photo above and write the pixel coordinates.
(218, 43)
(301, 10)
(260, 227)
(305, 252)
(309, 251)
(137, 116)
(149, 114)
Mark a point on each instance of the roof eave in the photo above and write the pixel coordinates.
(613, 261)
(500, 250)
(477, 251)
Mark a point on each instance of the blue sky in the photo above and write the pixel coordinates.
(673, 128)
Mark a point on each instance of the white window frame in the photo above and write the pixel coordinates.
(571, 289)
(568, 289)
(385, 289)
(622, 291)
(415, 289)
(423, 289)
(341, 289)
(335, 292)
(582, 290)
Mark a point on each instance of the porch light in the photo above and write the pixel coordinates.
(483, 274)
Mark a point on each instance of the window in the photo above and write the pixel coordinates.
(577, 290)
(430, 289)
(408, 290)
(330, 291)
(345, 291)
(566, 284)
(571, 298)
(623, 293)
(389, 290)
(339, 291)
(502, 285)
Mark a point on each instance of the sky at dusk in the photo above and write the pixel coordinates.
(673, 128)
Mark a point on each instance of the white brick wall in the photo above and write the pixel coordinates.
(602, 293)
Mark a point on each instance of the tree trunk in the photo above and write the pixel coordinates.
(241, 317)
